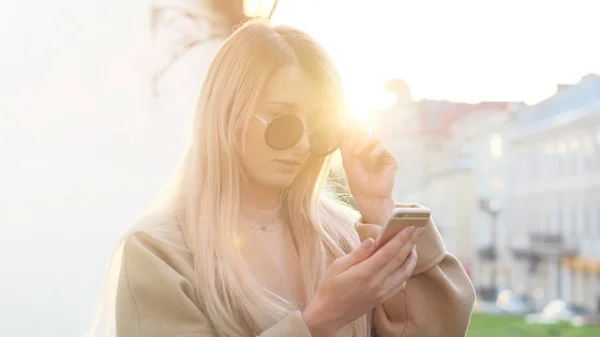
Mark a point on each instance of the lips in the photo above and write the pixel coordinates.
(289, 161)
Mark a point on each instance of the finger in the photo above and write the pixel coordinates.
(400, 257)
(358, 255)
(388, 251)
(353, 137)
(418, 234)
(397, 280)
(375, 154)
(380, 155)
(366, 145)
(411, 261)
(397, 260)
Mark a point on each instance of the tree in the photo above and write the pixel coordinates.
(179, 25)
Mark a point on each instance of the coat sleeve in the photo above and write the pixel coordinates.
(438, 298)
(155, 297)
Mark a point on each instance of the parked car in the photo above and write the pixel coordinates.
(556, 311)
(486, 307)
(581, 320)
(507, 303)
(514, 304)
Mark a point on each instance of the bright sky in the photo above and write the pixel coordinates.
(469, 50)
(465, 50)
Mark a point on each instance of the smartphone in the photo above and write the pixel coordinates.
(401, 218)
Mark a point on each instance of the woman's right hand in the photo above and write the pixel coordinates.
(361, 280)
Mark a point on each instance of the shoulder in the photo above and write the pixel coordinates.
(155, 246)
(156, 294)
(157, 231)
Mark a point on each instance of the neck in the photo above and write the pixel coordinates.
(260, 197)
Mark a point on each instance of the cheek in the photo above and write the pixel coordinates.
(257, 152)
(255, 142)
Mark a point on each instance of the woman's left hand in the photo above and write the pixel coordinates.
(370, 169)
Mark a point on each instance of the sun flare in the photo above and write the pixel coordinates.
(365, 102)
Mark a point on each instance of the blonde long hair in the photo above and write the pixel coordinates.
(206, 197)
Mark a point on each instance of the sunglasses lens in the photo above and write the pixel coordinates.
(284, 131)
(325, 139)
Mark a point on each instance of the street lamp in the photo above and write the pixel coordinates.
(493, 208)
(260, 8)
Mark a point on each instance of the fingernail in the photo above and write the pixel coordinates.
(410, 230)
(420, 232)
(368, 243)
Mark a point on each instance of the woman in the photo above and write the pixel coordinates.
(248, 245)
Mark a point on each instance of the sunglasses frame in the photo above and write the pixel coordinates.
(305, 130)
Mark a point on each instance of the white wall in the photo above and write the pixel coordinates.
(82, 151)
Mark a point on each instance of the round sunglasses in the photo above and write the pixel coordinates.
(284, 131)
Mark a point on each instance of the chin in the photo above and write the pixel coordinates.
(283, 182)
(278, 179)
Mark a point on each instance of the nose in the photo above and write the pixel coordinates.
(304, 143)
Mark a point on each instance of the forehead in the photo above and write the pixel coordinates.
(292, 87)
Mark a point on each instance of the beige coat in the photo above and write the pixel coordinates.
(155, 296)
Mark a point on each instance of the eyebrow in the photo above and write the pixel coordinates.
(287, 105)
(292, 107)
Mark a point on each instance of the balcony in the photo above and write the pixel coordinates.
(522, 253)
(551, 245)
(487, 253)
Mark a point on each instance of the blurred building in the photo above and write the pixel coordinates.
(555, 195)
(515, 189)
(483, 137)
(447, 181)
(436, 162)
(466, 171)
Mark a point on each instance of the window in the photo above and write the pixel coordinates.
(588, 154)
(588, 146)
(549, 227)
(549, 161)
(598, 222)
(496, 146)
(559, 217)
(574, 158)
(434, 120)
(585, 221)
(575, 154)
(597, 153)
(574, 223)
(561, 148)
(574, 145)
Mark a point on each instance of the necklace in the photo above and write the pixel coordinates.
(265, 227)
